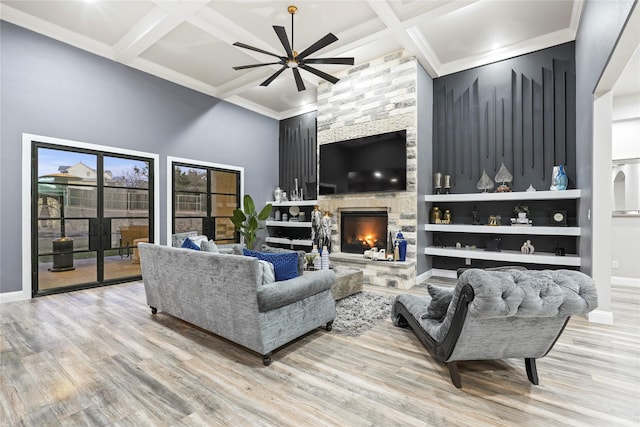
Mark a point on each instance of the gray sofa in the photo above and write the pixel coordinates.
(496, 315)
(224, 294)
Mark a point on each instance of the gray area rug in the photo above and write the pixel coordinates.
(360, 312)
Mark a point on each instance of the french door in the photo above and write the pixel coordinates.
(89, 210)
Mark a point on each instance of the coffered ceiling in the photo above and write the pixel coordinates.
(190, 42)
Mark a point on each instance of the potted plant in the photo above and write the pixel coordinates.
(522, 211)
(246, 221)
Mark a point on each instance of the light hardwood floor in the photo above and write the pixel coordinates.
(98, 357)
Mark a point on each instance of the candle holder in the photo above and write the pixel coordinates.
(437, 182)
(447, 184)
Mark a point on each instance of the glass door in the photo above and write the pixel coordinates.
(89, 210)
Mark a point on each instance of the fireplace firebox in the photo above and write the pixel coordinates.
(363, 230)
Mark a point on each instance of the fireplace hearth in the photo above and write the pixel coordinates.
(363, 230)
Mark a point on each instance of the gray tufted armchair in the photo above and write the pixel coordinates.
(496, 315)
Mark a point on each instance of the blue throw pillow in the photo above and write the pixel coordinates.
(188, 244)
(285, 265)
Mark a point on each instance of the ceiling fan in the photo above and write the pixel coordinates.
(295, 60)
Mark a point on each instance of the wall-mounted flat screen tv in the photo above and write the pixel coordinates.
(372, 163)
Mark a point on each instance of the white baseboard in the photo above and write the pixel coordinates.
(421, 278)
(601, 316)
(627, 281)
(12, 296)
(449, 274)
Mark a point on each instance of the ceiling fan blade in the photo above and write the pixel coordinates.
(345, 61)
(327, 77)
(244, 67)
(325, 41)
(282, 35)
(273, 76)
(299, 81)
(246, 46)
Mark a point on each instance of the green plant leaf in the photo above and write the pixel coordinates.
(249, 206)
(253, 223)
(238, 218)
(265, 212)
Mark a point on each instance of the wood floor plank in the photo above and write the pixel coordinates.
(98, 357)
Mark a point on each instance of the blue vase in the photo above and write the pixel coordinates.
(560, 179)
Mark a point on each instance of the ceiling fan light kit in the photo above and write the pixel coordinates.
(295, 60)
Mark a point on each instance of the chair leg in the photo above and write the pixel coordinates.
(532, 372)
(454, 374)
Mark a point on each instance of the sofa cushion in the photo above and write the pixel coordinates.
(285, 265)
(178, 238)
(273, 250)
(440, 300)
(209, 246)
(188, 244)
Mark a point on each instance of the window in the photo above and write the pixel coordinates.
(204, 197)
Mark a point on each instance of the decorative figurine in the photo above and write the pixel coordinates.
(503, 177)
(527, 248)
(316, 219)
(493, 245)
(476, 216)
(485, 182)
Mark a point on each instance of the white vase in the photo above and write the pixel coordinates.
(324, 258)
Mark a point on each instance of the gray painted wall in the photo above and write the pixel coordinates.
(600, 26)
(52, 89)
(425, 168)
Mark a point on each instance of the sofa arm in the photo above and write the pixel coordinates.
(279, 294)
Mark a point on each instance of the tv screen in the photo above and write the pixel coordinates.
(372, 163)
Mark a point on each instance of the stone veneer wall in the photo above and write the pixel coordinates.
(372, 98)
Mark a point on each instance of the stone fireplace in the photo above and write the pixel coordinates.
(371, 99)
(363, 230)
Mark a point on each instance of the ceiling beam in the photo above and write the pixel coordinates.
(162, 19)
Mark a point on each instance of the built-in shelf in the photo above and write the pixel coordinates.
(504, 229)
(294, 203)
(294, 235)
(505, 256)
(511, 256)
(502, 197)
(285, 241)
(300, 224)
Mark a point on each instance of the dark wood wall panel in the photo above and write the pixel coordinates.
(298, 153)
(520, 112)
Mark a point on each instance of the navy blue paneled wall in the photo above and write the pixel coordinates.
(52, 89)
(520, 111)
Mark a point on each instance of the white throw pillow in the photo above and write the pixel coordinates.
(198, 239)
(268, 273)
(209, 246)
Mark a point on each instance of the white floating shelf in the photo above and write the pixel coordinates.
(285, 241)
(506, 256)
(496, 197)
(298, 203)
(299, 224)
(504, 229)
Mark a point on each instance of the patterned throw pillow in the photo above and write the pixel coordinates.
(188, 244)
(285, 265)
(209, 246)
(273, 250)
(440, 300)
